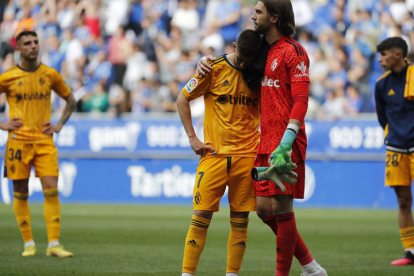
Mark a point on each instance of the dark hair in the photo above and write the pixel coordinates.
(23, 33)
(284, 11)
(393, 42)
(248, 43)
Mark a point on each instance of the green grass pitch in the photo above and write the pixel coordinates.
(149, 240)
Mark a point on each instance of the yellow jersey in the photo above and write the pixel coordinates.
(232, 109)
(28, 95)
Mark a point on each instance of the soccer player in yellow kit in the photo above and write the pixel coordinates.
(231, 137)
(28, 88)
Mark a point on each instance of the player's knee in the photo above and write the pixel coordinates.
(239, 214)
(21, 186)
(49, 182)
(405, 203)
(21, 189)
(204, 214)
(263, 212)
(281, 210)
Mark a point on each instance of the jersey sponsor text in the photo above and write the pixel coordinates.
(269, 82)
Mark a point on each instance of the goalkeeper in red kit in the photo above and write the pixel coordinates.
(284, 102)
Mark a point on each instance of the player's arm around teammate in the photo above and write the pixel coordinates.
(285, 88)
(284, 98)
(28, 89)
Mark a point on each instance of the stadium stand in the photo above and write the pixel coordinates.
(133, 56)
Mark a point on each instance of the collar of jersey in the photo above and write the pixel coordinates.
(274, 43)
(403, 71)
(225, 58)
(29, 70)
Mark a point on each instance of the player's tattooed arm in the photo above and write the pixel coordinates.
(50, 128)
(69, 108)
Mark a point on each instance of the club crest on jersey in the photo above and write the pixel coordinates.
(191, 85)
(197, 198)
(41, 81)
(274, 64)
(302, 68)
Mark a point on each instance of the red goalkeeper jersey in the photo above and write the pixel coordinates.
(287, 63)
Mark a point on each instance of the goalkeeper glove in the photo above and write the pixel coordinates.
(270, 173)
(280, 157)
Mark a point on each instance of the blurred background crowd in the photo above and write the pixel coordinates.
(134, 56)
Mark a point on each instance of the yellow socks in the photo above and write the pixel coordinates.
(407, 237)
(194, 243)
(236, 245)
(22, 213)
(51, 211)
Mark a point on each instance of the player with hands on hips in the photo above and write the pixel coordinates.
(199, 147)
(12, 124)
(28, 87)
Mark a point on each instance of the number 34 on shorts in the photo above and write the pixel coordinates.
(19, 157)
(399, 168)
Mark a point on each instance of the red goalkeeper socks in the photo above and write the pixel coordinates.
(286, 243)
(301, 251)
(272, 223)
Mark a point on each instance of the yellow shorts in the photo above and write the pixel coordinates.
(20, 157)
(399, 169)
(215, 173)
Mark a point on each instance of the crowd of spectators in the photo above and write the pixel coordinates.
(134, 56)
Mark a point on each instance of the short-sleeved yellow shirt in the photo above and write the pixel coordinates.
(28, 95)
(232, 109)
